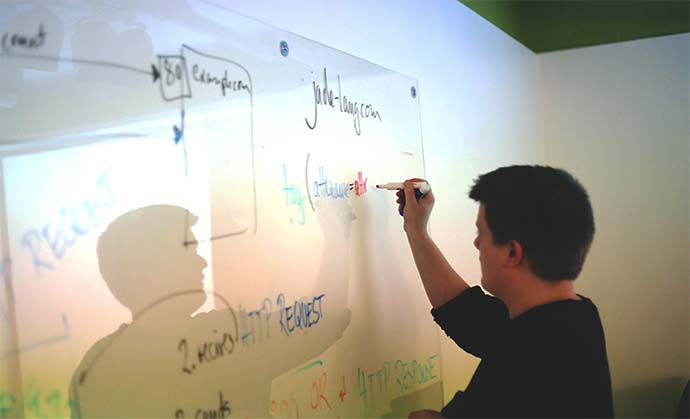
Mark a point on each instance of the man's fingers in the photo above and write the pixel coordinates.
(428, 197)
(408, 195)
(410, 198)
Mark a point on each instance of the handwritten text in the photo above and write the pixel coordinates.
(325, 97)
(299, 315)
(15, 40)
(72, 223)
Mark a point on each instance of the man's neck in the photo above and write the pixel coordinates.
(537, 292)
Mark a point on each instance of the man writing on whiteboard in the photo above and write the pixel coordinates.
(541, 345)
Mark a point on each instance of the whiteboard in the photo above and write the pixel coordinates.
(189, 224)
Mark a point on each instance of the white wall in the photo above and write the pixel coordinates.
(477, 100)
(617, 117)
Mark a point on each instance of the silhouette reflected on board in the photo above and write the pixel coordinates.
(168, 363)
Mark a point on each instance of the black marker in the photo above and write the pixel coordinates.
(420, 188)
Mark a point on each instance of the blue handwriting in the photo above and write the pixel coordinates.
(299, 315)
(249, 320)
(324, 186)
(72, 224)
(293, 196)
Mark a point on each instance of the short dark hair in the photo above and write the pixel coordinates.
(543, 208)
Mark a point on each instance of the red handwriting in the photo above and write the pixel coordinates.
(318, 390)
(360, 185)
(288, 408)
(343, 392)
(322, 399)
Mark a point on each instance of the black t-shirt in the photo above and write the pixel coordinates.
(547, 362)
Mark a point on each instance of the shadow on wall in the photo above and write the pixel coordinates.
(657, 399)
(166, 363)
(428, 398)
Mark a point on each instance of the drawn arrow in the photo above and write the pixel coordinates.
(153, 72)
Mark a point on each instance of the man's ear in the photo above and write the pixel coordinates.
(515, 254)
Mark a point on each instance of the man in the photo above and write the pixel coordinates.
(541, 345)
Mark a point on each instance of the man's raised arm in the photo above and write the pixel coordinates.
(440, 280)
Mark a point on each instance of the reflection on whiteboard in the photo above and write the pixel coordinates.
(187, 226)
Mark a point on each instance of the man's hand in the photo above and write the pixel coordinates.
(424, 414)
(415, 212)
(440, 280)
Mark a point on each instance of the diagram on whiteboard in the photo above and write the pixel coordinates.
(188, 223)
(225, 128)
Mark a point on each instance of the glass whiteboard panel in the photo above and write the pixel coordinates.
(189, 223)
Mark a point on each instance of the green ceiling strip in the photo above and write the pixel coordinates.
(543, 25)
